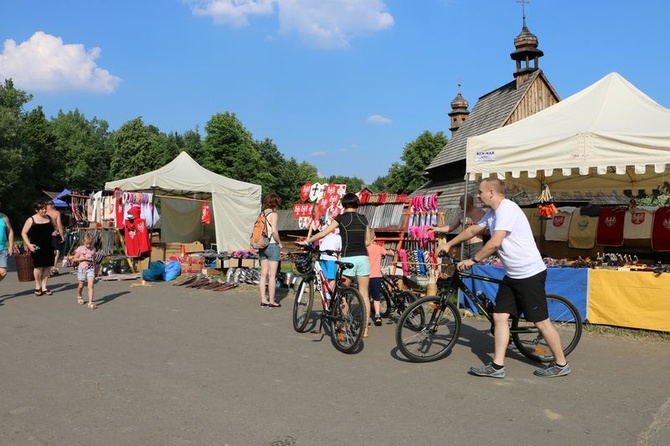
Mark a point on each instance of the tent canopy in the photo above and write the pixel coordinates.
(607, 137)
(235, 204)
(62, 199)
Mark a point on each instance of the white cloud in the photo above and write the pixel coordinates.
(321, 23)
(45, 63)
(378, 119)
(319, 154)
(232, 12)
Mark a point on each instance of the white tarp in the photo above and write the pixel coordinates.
(234, 204)
(607, 137)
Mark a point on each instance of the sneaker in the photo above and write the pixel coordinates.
(552, 371)
(487, 370)
(378, 320)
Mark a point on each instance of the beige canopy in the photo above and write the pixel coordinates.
(607, 137)
(234, 204)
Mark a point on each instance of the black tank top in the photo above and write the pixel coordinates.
(352, 230)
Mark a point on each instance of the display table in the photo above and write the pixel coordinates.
(634, 299)
(571, 283)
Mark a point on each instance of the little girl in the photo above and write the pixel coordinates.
(85, 256)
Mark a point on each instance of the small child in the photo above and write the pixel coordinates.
(85, 256)
(375, 253)
(332, 242)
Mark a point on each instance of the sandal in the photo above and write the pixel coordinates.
(48, 292)
(38, 292)
(274, 305)
(92, 306)
(80, 300)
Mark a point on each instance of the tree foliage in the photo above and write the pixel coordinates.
(229, 148)
(138, 148)
(83, 146)
(71, 151)
(16, 158)
(354, 184)
(417, 155)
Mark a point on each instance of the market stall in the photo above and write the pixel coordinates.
(609, 137)
(183, 186)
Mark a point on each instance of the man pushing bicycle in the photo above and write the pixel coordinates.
(523, 287)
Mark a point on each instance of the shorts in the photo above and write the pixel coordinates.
(271, 253)
(329, 268)
(523, 296)
(56, 243)
(83, 274)
(376, 288)
(470, 249)
(4, 255)
(361, 266)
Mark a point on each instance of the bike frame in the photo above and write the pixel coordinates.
(456, 281)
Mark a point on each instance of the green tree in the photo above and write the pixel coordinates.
(230, 149)
(295, 175)
(84, 148)
(354, 184)
(193, 145)
(138, 148)
(16, 160)
(417, 155)
(40, 137)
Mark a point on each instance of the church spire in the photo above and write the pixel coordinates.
(459, 111)
(526, 53)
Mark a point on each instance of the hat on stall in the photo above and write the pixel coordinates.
(134, 212)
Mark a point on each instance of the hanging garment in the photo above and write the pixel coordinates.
(610, 226)
(558, 227)
(638, 223)
(582, 233)
(136, 234)
(660, 234)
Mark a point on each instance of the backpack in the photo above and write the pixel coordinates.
(260, 238)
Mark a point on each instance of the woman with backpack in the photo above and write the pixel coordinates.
(269, 255)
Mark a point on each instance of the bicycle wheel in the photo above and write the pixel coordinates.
(302, 305)
(428, 329)
(403, 299)
(565, 317)
(385, 301)
(347, 320)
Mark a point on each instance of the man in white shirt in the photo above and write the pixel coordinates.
(523, 287)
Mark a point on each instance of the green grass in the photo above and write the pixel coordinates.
(633, 333)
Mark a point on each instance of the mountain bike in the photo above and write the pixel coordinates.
(343, 306)
(394, 299)
(429, 327)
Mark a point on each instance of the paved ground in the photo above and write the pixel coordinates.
(166, 365)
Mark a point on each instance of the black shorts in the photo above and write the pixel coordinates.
(56, 243)
(525, 297)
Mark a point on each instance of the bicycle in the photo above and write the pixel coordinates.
(393, 299)
(429, 327)
(343, 306)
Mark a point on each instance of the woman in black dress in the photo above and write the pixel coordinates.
(37, 234)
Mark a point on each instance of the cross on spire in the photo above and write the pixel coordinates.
(523, 9)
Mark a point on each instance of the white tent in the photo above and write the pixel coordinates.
(234, 204)
(607, 137)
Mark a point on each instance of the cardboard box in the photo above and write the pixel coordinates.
(193, 247)
(192, 264)
(249, 263)
(158, 252)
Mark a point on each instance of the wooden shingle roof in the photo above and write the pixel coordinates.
(489, 113)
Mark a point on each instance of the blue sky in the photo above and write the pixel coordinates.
(342, 84)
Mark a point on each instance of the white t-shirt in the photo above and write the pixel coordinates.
(332, 242)
(518, 252)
